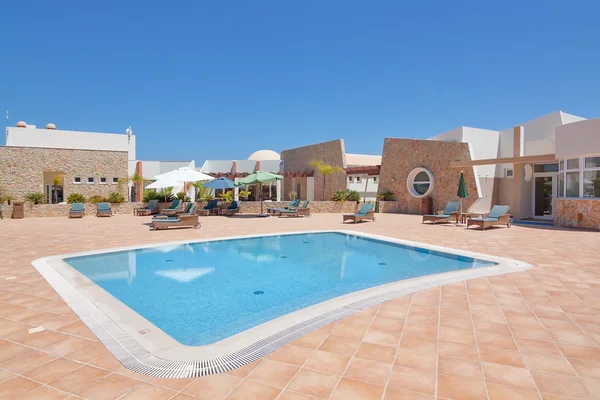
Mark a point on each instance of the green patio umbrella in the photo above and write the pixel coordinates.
(259, 177)
(462, 189)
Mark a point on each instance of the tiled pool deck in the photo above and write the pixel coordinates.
(529, 335)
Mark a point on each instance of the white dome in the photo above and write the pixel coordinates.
(21, 124)
(51, 126)
(263, 155)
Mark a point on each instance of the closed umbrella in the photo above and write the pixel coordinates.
(259, 177)
(462, 190)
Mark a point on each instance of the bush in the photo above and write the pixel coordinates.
(115, 197)
(227, 197)
(385, 196)
(96, 199)
(346, 195)
(36, 197)
(244, 194)
(181, 196)
(75, 198)
(160, 195)
(339, 195)
(150, 194)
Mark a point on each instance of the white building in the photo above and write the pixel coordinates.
(362, 172)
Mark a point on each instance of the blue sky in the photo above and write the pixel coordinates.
(220, 79)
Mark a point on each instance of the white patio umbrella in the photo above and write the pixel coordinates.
(184, 174)
(165, 183)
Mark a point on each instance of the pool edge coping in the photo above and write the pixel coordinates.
(135, 354)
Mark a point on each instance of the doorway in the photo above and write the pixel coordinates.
(544, 191)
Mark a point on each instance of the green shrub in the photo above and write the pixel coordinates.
(385, 196)
(115, 197)
(182, 195)
(75, 198)
(244, 194)
(352, 195)
(227, 197)
(96, 199)
(160, 195)
(36, 197)
(150, 194)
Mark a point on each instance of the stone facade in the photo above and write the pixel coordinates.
(253, 207)
(401, 156)
(298, 161)
(577, 213)
(22, 170)
(62, 210)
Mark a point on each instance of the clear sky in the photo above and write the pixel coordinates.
(220, 79)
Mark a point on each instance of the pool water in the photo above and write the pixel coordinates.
(201, 293)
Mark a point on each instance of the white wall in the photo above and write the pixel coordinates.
(578, 139)
(372, 186)
(59, 139)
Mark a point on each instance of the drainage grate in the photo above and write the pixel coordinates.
(381, 264)
(259, 292)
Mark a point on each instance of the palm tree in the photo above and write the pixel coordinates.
(138, 180)
(326, 170)
(56, 182)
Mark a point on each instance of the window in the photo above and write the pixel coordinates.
(90, 180)
(592, 162)
(581, 178)
(591, 177)
(545, 168)
(573, 184)
(420, 182)
(115, 180)
(508, 173)
(561, 185)
(103, 181)
(77, 179)
(358, 179)
(374, 179)
(573, 163)
(561, 165)
(350, 179)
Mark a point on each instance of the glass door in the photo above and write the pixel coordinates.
(543, 193)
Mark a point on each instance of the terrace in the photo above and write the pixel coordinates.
(530, 335)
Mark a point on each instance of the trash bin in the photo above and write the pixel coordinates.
(18, 211)
(426, 206)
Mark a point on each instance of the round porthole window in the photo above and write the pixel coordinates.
(420, 182)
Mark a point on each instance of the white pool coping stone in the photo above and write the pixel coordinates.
(142, 347)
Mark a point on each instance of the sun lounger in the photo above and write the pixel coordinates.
(76, 210)
(174, 212)
(151, 208)
(174, 207)
(103, 210)
(302, 211)
(365, 212)
(188, 220)
(498, 216)
(444, 216)
(233, 208)
(293, 205)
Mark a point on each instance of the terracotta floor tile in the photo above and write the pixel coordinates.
(462, 336)
(593, 385)
(253, 391)
(273, 373)
(548, 363)
(290, 354)
(244, 371)
(416, 360)
(460, 367)
(5, 375)
(37, 340)
(509, 376)
(454, 387)
(387, 325)
(587, 368)
(332, 363)
(174, 384)
(349, 331)
(351, 389)
(66, 346)
(78, 329)
(78, 379)
(571, 337)
(496, 341)
(421, 331)
(528, 332)
(537, 346)
(458, 323)
(357, 320)
(419, 344)
(27, 361)
(412, 380)
(213, 386)
(88, 353)
(15, 387)
(398, 394)
(375, 352)
(312, 341)
(458, 350)
(341, 346)
(110, 387)
(107, 362)
(313, 383)
(491, 327)
(45, 393)
(579, 352)
(501, 392)
(288, 395)
(146, 391)
(563, 385)
(52, 370)
(369, 371)
(504, 357)
(381, 338)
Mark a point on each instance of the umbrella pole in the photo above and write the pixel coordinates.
(261, 198)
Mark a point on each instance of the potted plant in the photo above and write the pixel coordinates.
(35, 197)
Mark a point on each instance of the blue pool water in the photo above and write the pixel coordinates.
(200, 293)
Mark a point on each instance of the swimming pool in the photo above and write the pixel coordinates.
(223, 303)
(200, 293)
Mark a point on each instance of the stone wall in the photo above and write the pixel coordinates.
(297, 160)
(22, 170)
(62, 210)
(577, 213)
(401, 156)
(253, 207)
(389, 206)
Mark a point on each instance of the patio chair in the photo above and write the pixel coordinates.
(275, 210)
(443, 216)
(498, 216)
(103, 210)
(233, 208)
(365, 212)
(76, 210)
(151, 208)
(174, 212)
(175, 205)
(302, 211)
(188, 220)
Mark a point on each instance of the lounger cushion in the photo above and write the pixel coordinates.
(451, 207)
(152, 205)
(103, 207)
(441, 216)
(497, 211)
(364, 209)
(77, 207)
(488, 219)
